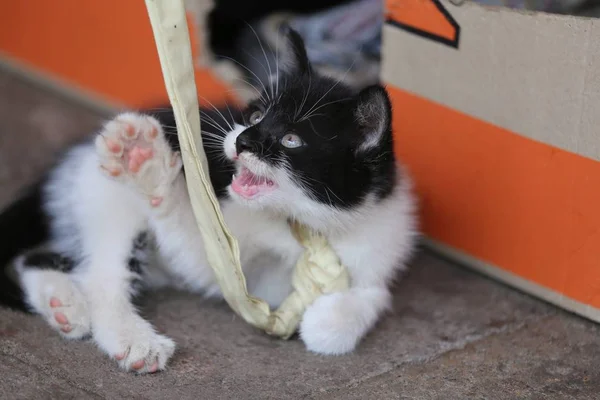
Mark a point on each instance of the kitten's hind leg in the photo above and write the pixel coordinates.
(51, 292)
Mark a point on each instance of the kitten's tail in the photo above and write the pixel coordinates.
(23, 225)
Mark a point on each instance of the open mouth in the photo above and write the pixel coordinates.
(249, 185)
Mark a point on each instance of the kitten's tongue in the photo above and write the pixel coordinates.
(248, 185)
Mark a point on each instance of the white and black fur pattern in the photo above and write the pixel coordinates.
(112, 227)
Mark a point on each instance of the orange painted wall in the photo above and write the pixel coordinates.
(104, 46)
(524, 206)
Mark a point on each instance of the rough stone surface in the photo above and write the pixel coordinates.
(34, 127)
(552, 358)
(452, 334)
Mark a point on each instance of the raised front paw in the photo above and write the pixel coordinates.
(132, 147)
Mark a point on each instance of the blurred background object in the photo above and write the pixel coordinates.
(343, 37)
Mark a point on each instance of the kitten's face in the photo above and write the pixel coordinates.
(310, 144)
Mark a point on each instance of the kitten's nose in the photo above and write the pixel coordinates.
(245, 143)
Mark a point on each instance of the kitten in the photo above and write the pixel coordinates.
(117, 215)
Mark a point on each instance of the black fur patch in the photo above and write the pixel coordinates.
(50, 261)
(23, 225)
(140, 243)
(138, 260)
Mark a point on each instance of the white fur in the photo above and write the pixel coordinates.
(101, 216)
(43, 285)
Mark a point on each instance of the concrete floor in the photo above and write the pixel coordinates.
(452, 335)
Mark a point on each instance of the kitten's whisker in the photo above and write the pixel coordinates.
(266, 59)
(212, 150)
(212, 145)
(313, 128)
(305, 95)
(206, 135)
(218, 112)
(277, 65)
(252, 72)
(336, 196)
(167, 132)
(328, 198)
(211, 121)
(312, 113)
(327, 189)
(230, 113)
(268, 93)
(315, 115)
(260, 95)
(214, 125)
(295, 108)
(213, 135)
(331, 88)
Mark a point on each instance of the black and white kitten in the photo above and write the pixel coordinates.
(117, 215)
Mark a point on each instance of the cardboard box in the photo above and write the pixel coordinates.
(103, 52)
(497, 114)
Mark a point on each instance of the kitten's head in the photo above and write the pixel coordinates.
(310, 146)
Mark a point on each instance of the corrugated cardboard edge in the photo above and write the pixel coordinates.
(60, 87)
(512, 280)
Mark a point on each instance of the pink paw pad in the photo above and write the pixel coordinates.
(112, 171)
(174, 159)
(61, 318)
(54, 302)
(138, 364)
(130, 131)
(137, 156)
(153, 368)
(113, 146)
(156, 201)
(153, 134)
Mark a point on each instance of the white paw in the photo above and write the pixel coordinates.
(53, 295)
(334, 324)
(132, 147)
(137, 347)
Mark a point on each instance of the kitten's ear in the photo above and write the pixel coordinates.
(373, 114)
(295, 59)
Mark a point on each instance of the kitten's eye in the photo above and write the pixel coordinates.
(291, 141)
(256, 117)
